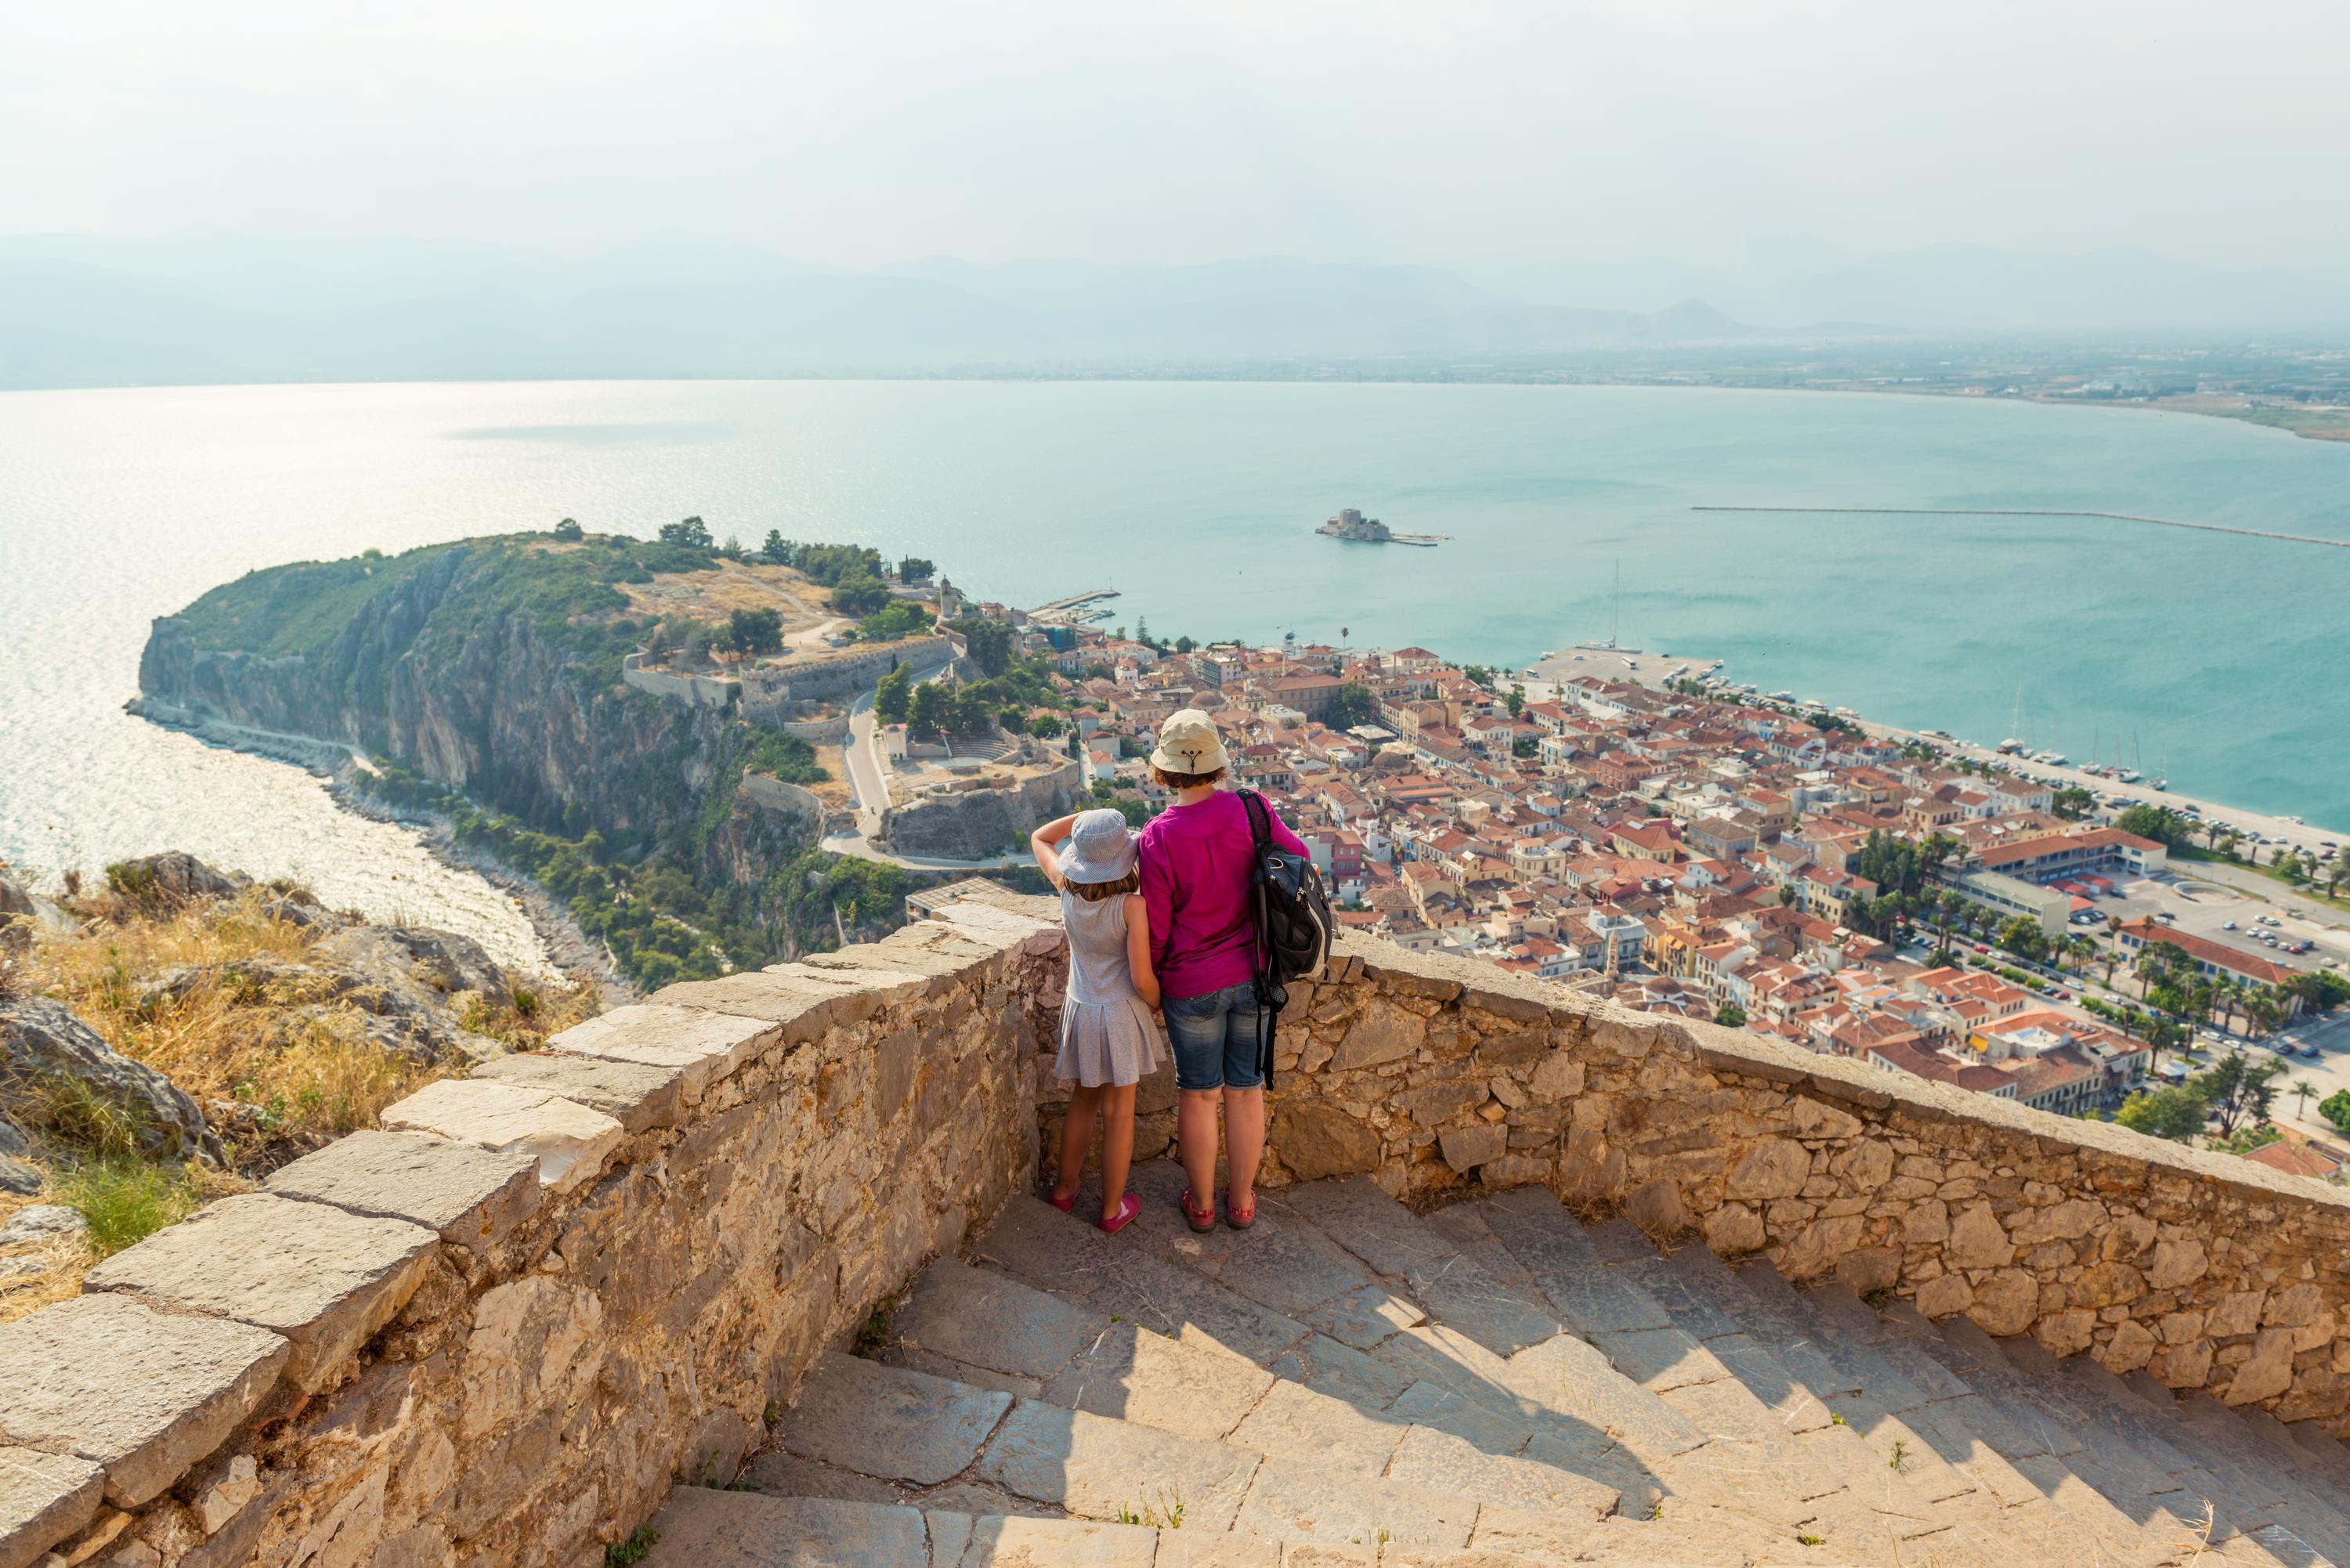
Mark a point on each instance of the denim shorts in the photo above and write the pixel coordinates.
(1214, 1038)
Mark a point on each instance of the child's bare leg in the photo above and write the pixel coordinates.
(1076, 1132)
(1118, 1146)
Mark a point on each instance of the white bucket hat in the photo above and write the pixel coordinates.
(1188, 744)
(1099, 849)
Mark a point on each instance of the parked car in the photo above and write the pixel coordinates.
(2227, 925)
(2061, 995)
(2310, 1051)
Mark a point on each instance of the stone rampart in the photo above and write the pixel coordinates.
(1436, 1076)
(499, 1330)
(833, 673)
(698, 691)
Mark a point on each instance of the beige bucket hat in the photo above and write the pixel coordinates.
(1188, 744)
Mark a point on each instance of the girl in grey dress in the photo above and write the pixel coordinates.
(1109, 1039)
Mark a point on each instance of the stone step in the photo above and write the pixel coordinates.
(2037, 1494)
(882, 1434)
(1758, 1442)
(2296, 1512)
(1450, 1287)
(2164, 1492)
(1553, 1419)
(702, 1528)
(2268, 1502)
(1760, 1330)
(1421, 1374)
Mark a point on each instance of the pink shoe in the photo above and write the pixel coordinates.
(1128, 1208)
(1201, 1220)
(1061, 1203)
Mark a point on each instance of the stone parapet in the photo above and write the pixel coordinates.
(499, 1329)
(1439, 1077)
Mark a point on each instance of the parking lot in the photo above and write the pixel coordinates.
(2210, 911)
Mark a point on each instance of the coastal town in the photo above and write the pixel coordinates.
(1681, 845)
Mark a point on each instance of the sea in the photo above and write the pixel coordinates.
(2213, 660)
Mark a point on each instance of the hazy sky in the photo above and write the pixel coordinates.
(1748, 139)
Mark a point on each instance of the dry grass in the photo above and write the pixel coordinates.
(213, 1040)
(306, 1078)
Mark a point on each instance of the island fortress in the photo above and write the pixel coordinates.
(1352, 525)
(1539, 1280)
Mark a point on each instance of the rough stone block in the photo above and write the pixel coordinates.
(1468, 1148)
(705, 1045)
(44, 1498)
(324, 1279)
(637, 1095)
(569, 1141)
(798, 993)
(470, 1195)
(141, 1393)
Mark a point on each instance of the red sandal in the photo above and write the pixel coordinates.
(1237, 1219)
(1198, 1220)
(1128, 1208)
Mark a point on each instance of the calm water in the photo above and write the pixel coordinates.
(2216, 655)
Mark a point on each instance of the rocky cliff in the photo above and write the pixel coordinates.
(478, 688)
(489, 673)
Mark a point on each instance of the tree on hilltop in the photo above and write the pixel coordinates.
(568, 531)
(756, 630)
(689, 532)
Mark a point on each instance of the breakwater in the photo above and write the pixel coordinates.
(2039, 511)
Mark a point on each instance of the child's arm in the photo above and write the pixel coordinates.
(1137, 950)
(1041, 842)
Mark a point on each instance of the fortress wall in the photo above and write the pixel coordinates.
(499, 1330)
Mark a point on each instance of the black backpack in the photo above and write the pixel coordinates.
(1292, 915)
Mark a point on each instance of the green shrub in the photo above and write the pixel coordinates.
(125, 1200)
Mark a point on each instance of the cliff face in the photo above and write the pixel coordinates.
(433, 672)
(492, 670)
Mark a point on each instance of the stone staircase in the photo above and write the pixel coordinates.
(1494, 1384)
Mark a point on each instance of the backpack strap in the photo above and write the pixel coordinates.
(1261, 840)
(1260, 819)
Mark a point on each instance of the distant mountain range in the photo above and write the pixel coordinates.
(209, 305)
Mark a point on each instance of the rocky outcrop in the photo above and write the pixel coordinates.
(50, 1061)
(174, 876)
(408, 986)
(16, 914)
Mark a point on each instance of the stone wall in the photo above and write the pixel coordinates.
(976, 824)
(1438, 1077)
(496, 1332)
(695, 690)
(772, 689)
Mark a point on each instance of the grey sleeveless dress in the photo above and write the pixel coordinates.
(1107, 1035)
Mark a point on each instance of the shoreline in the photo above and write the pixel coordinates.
(564, 946)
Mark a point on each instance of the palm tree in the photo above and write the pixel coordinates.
(2301, 1090)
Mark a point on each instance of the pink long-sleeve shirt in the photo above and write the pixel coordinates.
(1195, 883)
